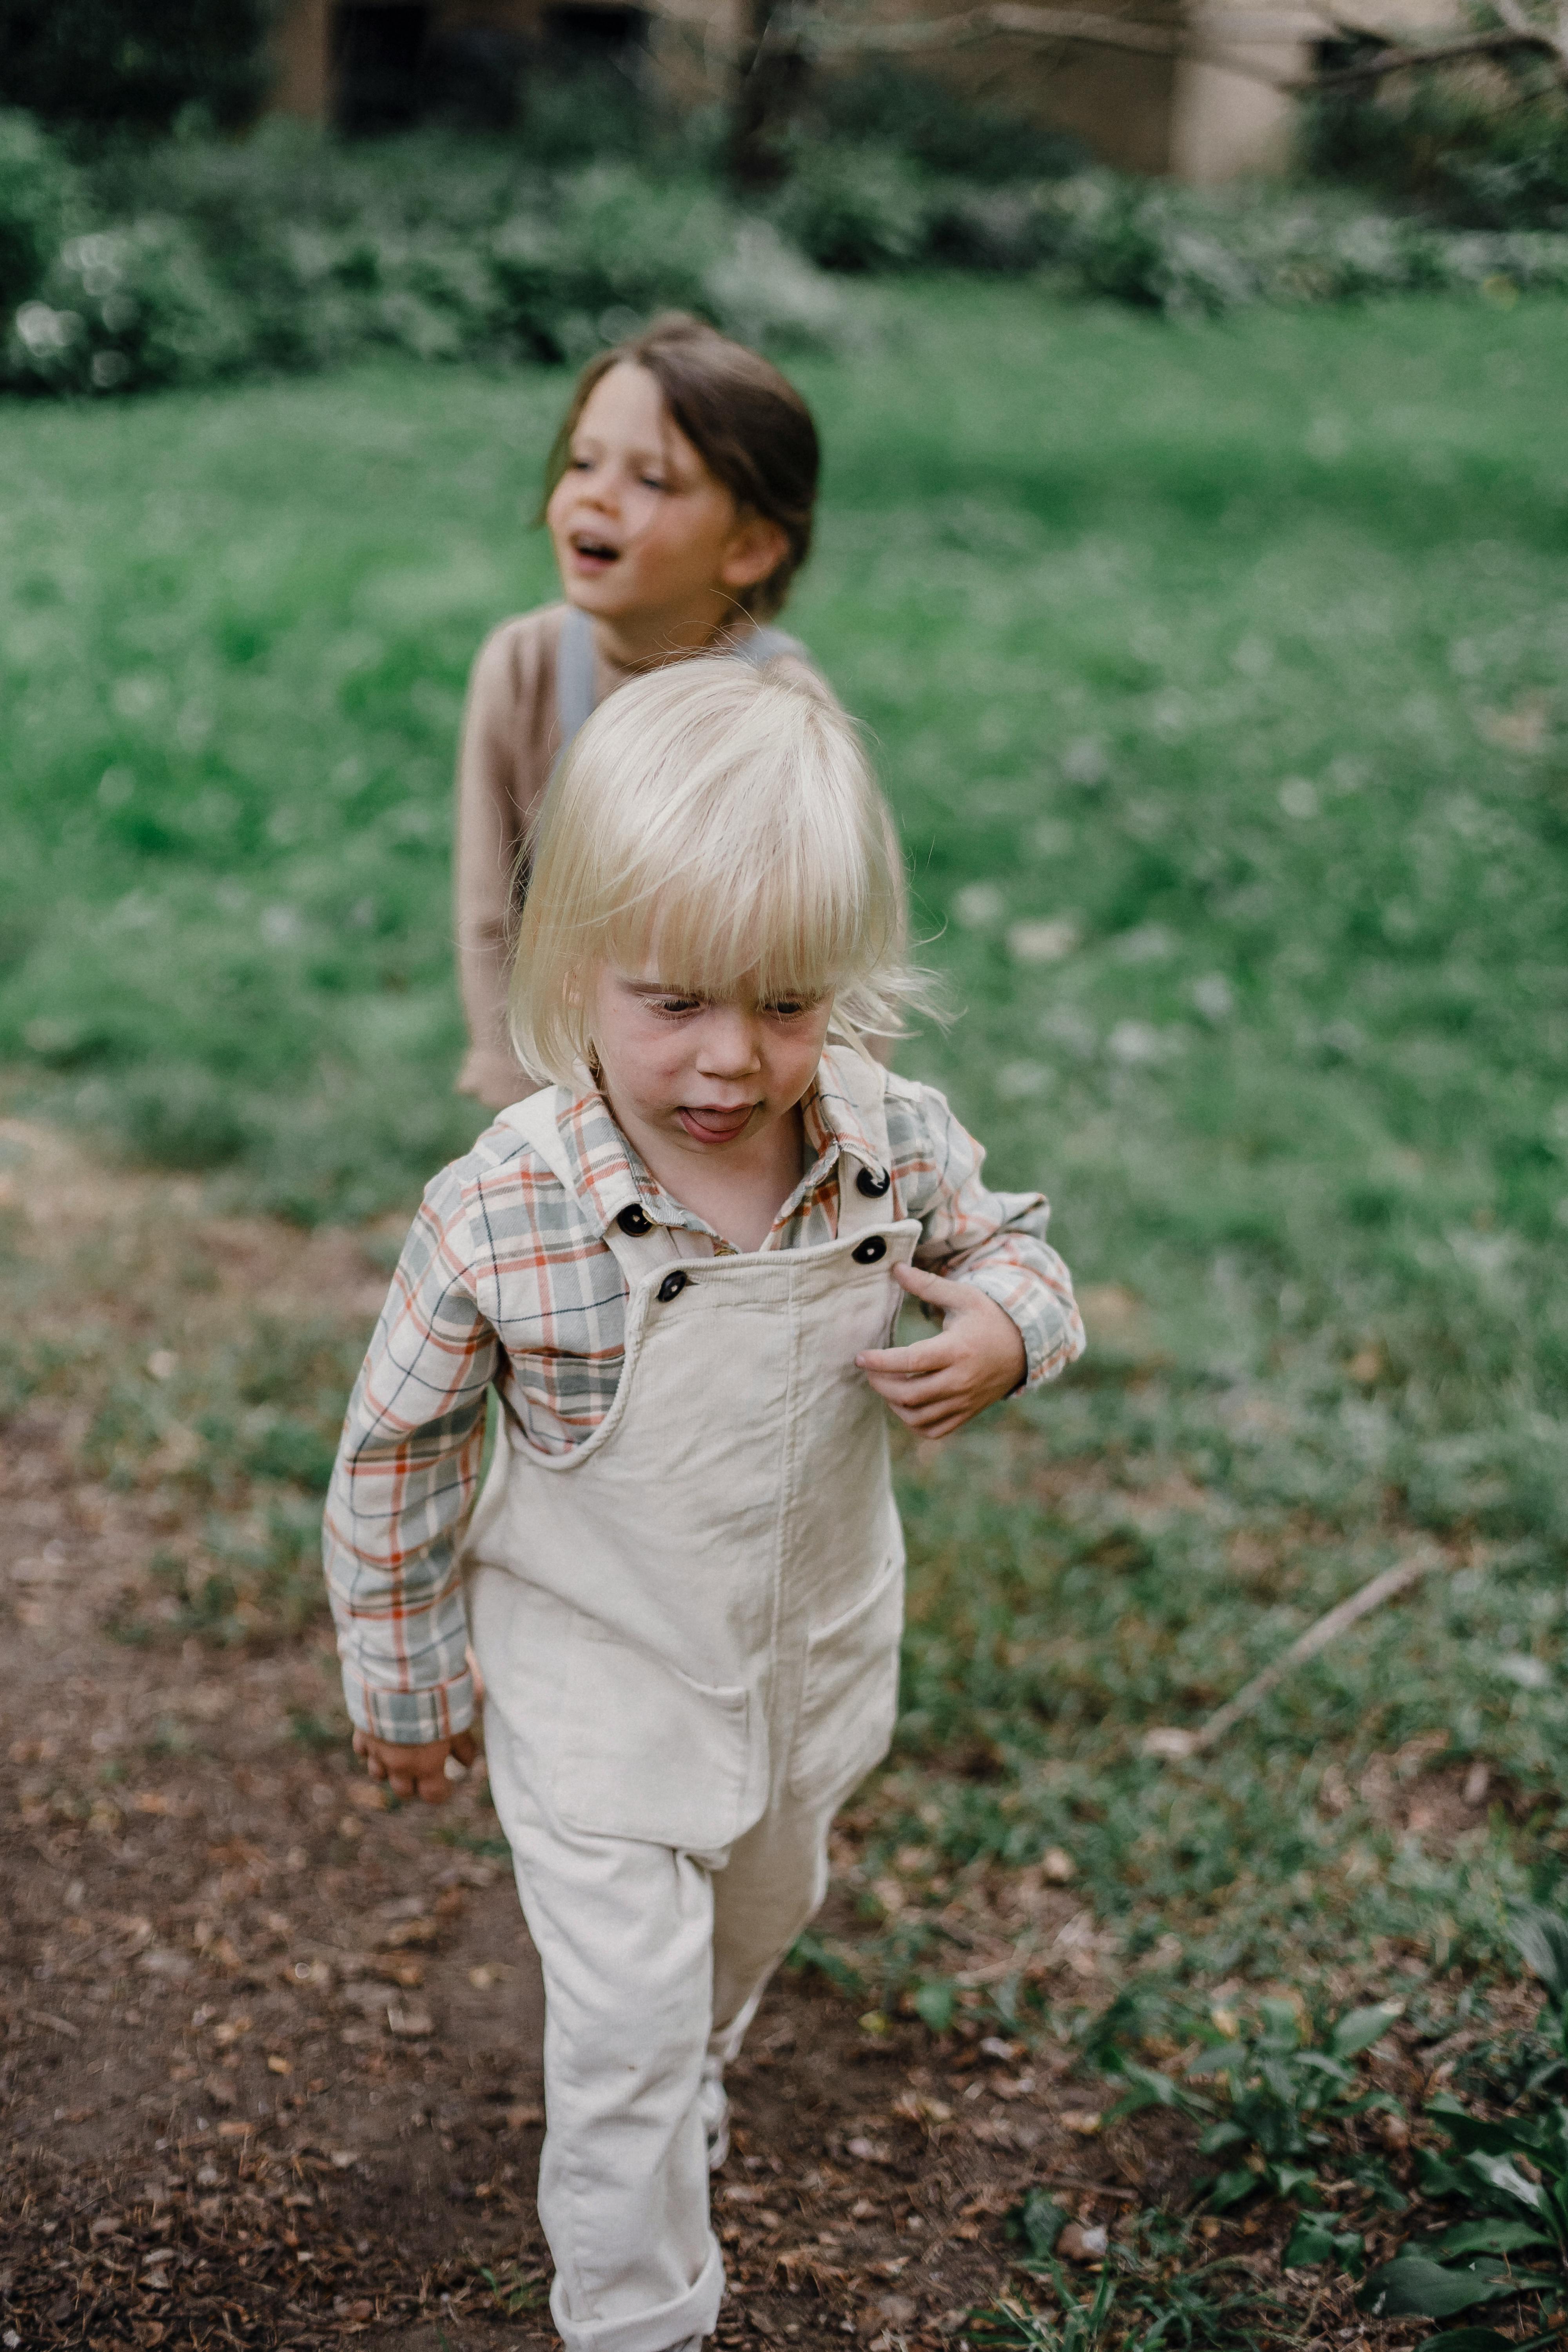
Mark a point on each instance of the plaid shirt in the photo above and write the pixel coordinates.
(506, 1281)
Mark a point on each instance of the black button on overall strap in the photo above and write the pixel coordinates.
(633, 1219)
(872, 1185)
(868, 1252)
(672, 1285)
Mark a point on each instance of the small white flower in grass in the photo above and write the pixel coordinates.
(1044, 943)
(279, 925)
(1138, 1044)
(1530, 1673)
(1150, 943)
(1298, 798)
(1015, 1081)
(1214, 996)
(1084, 762)
(978, 904)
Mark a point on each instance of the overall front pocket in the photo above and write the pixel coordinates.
(645, 1752)
(849, 1700)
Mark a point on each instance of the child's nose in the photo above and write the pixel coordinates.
(729, 1046)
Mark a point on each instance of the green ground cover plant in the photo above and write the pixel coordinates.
(126, 266)
(1217, 678)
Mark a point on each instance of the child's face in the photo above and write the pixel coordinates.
(708, 1077)
(641, 527)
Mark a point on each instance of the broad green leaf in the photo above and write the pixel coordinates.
(1498, 2173)
(1467, 2339)
(1494, 2236)
(1473, 2132)
(1437, 2176)
(1411, 2287)
(1541, 1939)
(1232, 2187)
(1360, 2027)
(934, 2004)
(1224, 2057)
(1219, 2135)
(1310, 2242)
(1041, 2220)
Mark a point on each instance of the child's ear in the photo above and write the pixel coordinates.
(756, 547)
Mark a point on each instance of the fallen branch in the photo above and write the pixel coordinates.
(1172, 1742)
(1206, 39)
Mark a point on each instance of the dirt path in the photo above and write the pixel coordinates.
(270, 2066)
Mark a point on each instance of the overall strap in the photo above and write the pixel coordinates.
(574, 695)
(864, 1205)
(766, 646)
(574, 679)
(537, 1120)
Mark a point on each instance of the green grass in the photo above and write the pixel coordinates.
(1238, 652)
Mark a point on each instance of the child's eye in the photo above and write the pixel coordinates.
(790, 1008)
(653, 482)
(675, 1005)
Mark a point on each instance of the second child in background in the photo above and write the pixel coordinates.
(679, 500)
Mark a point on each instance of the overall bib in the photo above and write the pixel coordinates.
(689, 1630)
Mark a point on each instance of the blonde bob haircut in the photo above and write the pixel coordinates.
(720, 826)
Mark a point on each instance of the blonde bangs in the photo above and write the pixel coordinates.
(720, 826)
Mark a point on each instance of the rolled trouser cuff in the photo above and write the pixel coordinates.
(695, 2313)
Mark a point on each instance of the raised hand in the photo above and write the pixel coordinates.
(940, 1383)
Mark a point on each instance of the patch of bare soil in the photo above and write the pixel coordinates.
(271, 2065)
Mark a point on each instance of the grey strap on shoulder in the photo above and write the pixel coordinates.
(574, 675)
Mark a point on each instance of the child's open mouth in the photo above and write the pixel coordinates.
(705, 1125)
(592, 554)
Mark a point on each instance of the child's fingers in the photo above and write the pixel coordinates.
(915, 1362)
(902, 1389)
(934, 1288)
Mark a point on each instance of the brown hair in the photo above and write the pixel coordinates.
(746, 422)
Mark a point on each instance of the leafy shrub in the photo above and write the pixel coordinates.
(1178, 251)
(1467, 159)
(125, 308)
(854, 209)
(886, 106)
(37, 195)
(135, 62)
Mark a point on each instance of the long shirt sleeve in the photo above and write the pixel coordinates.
(506, 1282)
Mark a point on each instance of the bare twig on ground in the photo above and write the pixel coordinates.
(1174, 1742)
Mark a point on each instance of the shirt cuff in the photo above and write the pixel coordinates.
(410, 1717)
(1052, 1331)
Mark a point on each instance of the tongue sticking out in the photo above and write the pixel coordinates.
(716, 1126)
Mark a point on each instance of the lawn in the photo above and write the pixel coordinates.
(1215, 674)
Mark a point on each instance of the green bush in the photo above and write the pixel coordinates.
(37, 195)
(138, 63)
(1469, 161)
(124, 309)
(854, 208)
(886, 106)
(194, 258)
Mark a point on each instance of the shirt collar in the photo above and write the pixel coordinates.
(610, 1175)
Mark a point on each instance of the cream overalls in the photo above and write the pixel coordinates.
(688, 1629)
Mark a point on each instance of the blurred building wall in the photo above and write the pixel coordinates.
(1196, 120)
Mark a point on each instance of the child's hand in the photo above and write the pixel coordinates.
(412, 1769)
(939, 1384)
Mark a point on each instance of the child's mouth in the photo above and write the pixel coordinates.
(705, 1125)
(594, 554)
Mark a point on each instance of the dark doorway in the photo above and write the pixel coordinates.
(588, 35)
(378, 60)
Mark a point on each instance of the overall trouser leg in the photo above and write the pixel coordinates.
(770, 1886)
(624, 1931)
